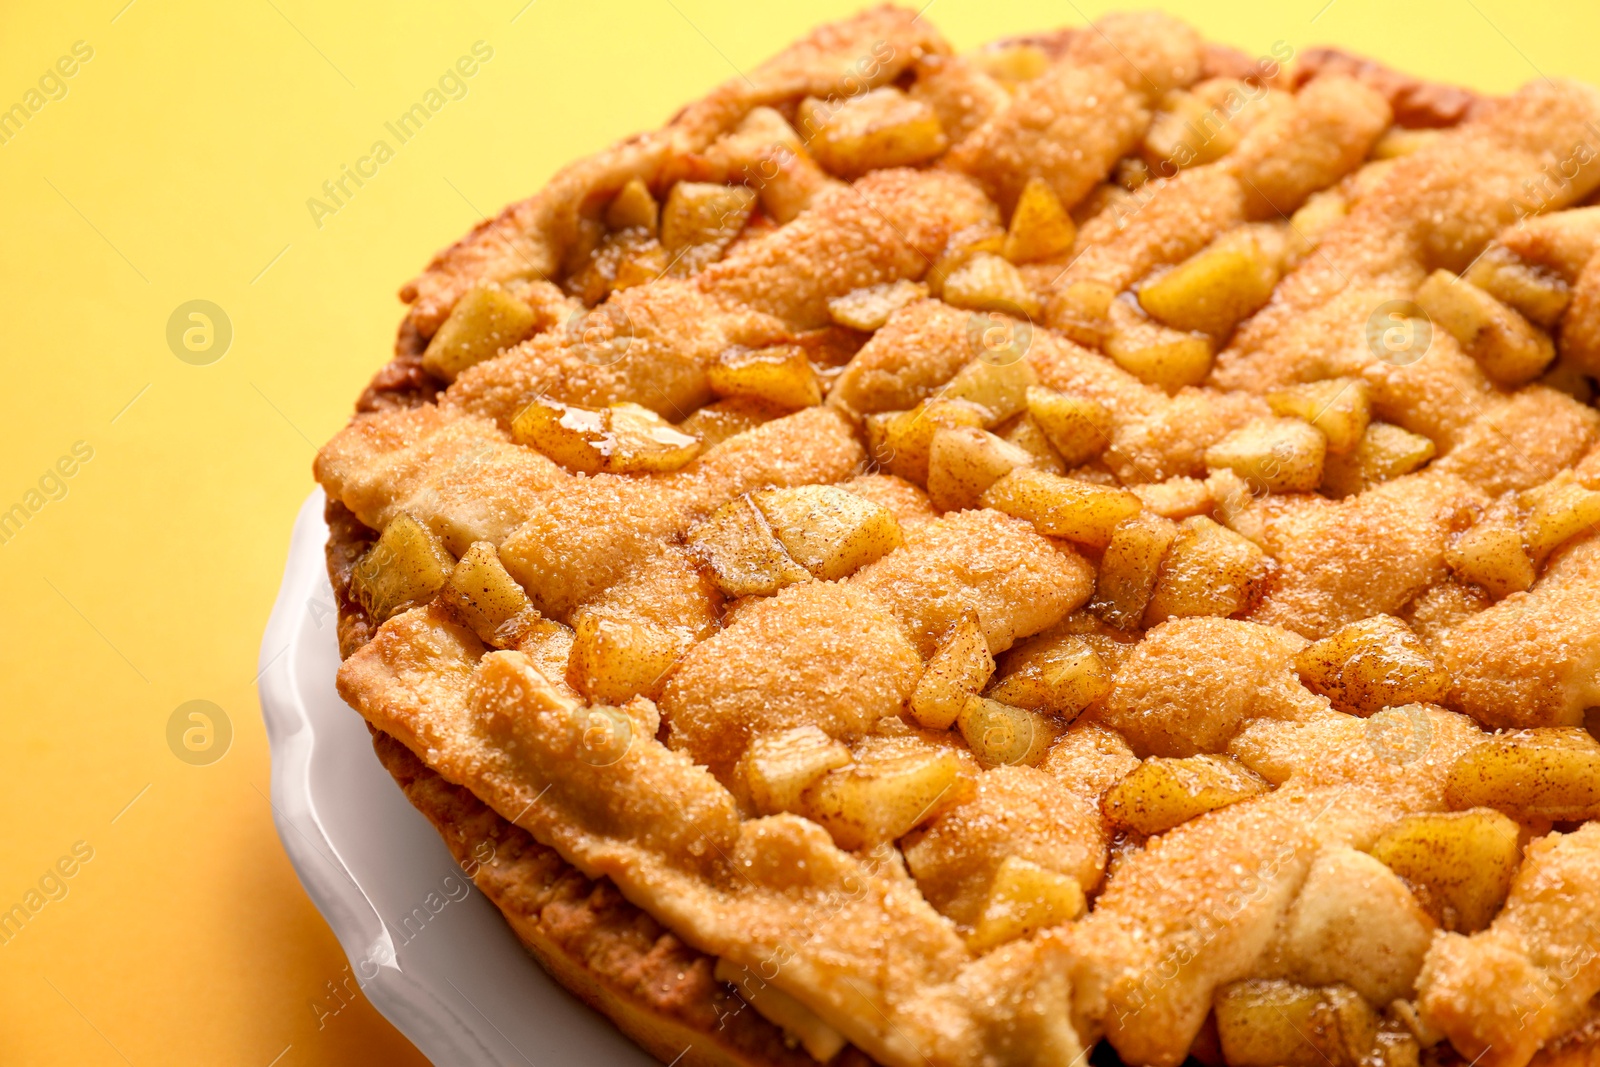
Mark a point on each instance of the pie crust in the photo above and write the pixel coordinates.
(939, 559)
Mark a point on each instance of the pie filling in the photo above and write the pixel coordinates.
(1093, 538)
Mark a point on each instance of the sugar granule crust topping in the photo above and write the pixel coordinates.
(939, 559)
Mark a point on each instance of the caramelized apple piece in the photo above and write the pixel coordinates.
(1024, 899)
(406, 566)
(1491, 555)
(908, 435)
(704, 217)
(1551, 773)
(1129, 569)
(1191, 128)
(1510, 349)
(1163, 792)
(999, 387)
(487, 598)
(1208, 570)
(1275, 1023)
(964, 462)
(960, 667)
(869, 308)
(882, 798)
(615, 660)
(486, 320)
(882, 128)
(1459, 864)
(979, 238)
(780, 375)
(744, 555)
(1040, 227)
(1562, 511)
(1540, 294)
(621, 439)
(1083, 312)
(1211, 291)
(1024, 431)
(1384, 452)
(829, 532)
(1373, 664)
(1060, 676)
(1062, 507)
(1273, 455)
(1311, 222)
(1077, 427)
(1339, 407)
(987, 282)
(1156, 354)
(1001, 734)
(778, 768)
(633, 208)
(716, 422)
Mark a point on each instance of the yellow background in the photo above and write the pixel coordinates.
(178, 167)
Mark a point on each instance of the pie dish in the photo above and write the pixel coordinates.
(937, 559)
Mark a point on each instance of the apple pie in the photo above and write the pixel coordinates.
(1085, 546)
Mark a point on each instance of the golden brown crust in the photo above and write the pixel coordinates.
(608, 952)
(1417, 103)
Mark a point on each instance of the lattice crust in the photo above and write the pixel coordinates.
(979, 554)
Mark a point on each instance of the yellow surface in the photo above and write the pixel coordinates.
(177, 166)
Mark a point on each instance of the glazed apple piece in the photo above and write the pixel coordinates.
(1024, 899)
(966, 461)
(961, 667)
(1062, 507)
(633, 208)
(1162, 792)
(1208, 570)
(743, 554)
(484, 322)
(1384, 452)
(621, 439)
(1154, 353)
(1459, 864)
(1130, 567)
(882, 798)
(988, 282)
(405, 567)
(882, 128)
(701, 219)
(1002, 734)
(1510, 349)
(1077, 427)
(908, 435)
(869, 308)
(487, 598)
(1548, 773)
(1276, 1023)
(779, 375)
(828, 531)
(777, 768)
(1211, 291)
(1339, 407)
(1273, 455)
(1491, 554)
(1057, 675)
(1040, 227)
(1373, 664)
(1561, 511)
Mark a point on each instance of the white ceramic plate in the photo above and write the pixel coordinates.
(430, 952)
